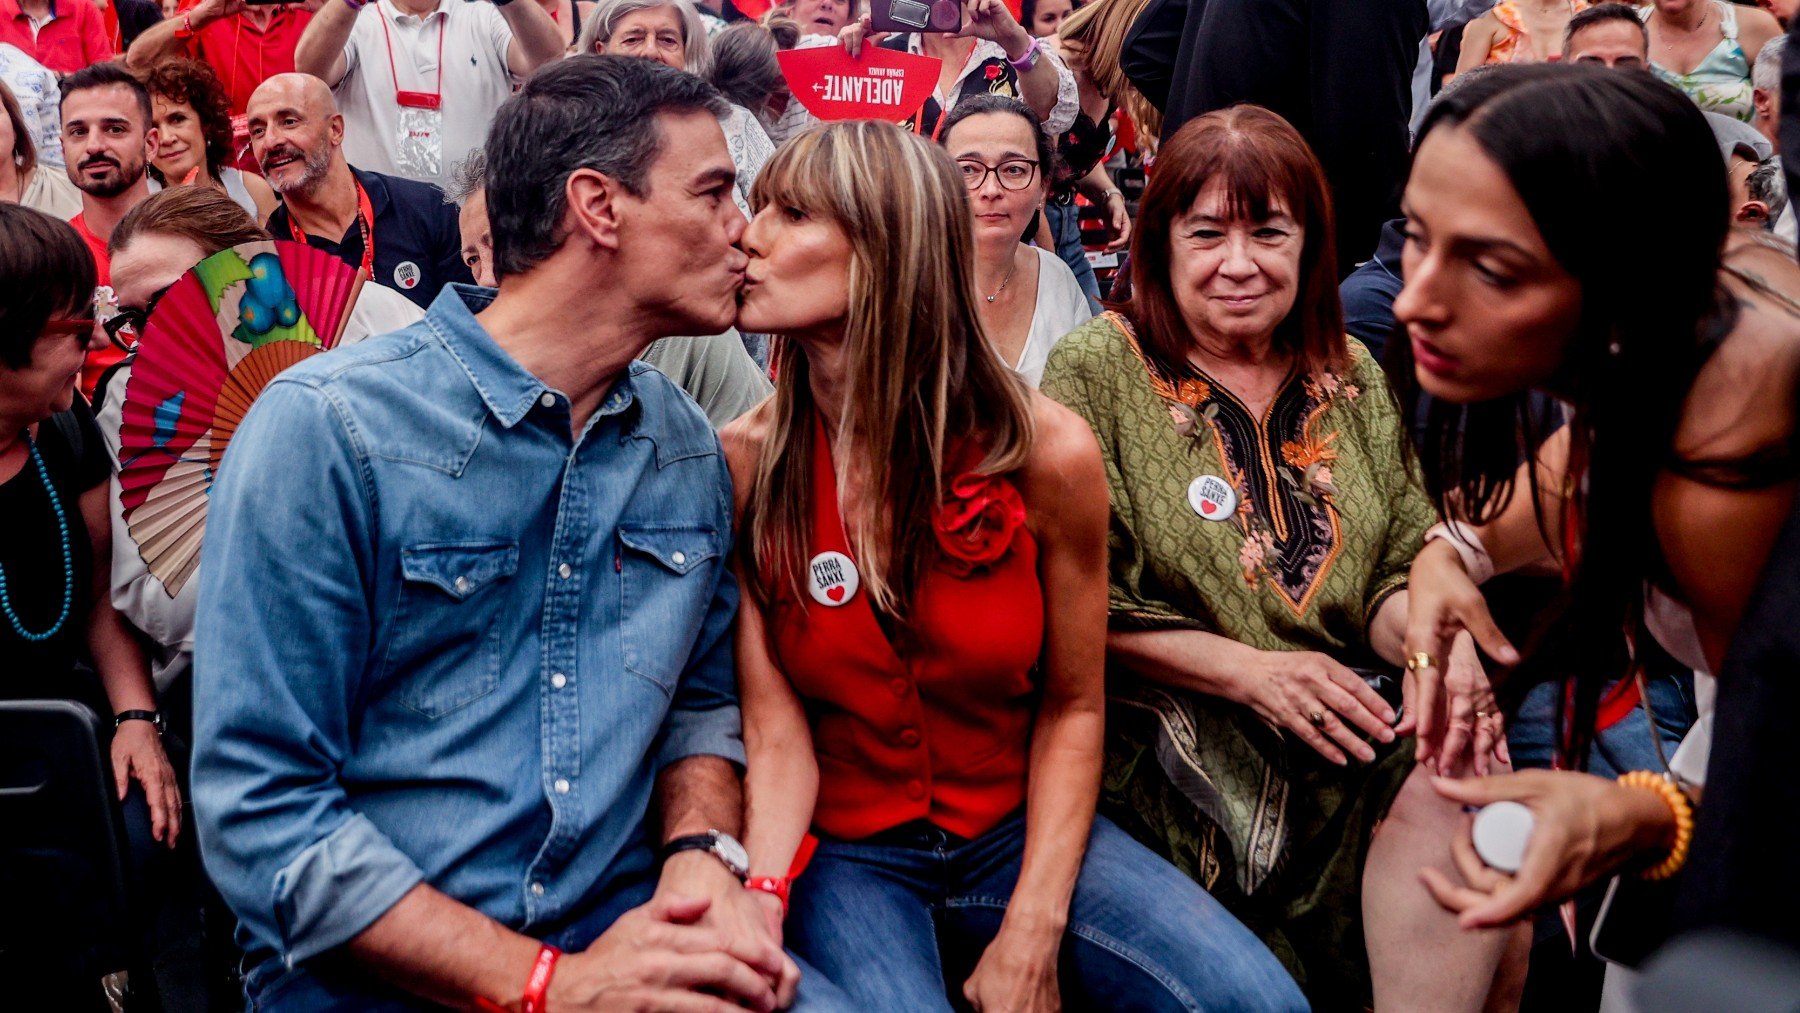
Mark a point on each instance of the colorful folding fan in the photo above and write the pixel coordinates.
(215, 340)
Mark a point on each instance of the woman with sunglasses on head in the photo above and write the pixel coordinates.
(920, 642)
(56, 618)
(1029, 298)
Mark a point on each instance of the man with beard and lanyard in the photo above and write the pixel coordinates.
(107, 139)
(397, 230)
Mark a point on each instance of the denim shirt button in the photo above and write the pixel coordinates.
(537, 889)
(462, 585)
(564, 571)
(559, 680)
(561, 786)
(679, 558)
(548, 400)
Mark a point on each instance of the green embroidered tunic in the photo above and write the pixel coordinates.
(1327, 523)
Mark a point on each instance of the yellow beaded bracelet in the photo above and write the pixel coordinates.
(1679, 806)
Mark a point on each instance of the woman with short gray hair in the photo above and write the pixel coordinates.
(671, 32)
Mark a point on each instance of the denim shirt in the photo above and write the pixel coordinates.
(442, 641)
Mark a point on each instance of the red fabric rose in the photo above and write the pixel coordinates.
(993, 72)
(976, 523)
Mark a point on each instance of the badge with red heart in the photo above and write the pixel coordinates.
(831, 578)
(1212, 498)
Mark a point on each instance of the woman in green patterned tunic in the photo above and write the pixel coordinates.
(1263, 520)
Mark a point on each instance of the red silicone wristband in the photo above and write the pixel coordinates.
(774, 886)
(539, 982)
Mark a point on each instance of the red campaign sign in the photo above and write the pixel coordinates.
(880, 84)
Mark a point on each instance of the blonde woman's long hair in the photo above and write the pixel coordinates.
(921, 374)
(1101, 26)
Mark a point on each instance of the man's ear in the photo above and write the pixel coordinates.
(594, 207)
(1761, 98)
(1753, 213)
(335, 130)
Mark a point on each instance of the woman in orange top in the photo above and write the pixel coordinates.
(1518, 31)
(920, 651)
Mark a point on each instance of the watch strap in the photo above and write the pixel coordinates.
(708, 842)
(1029, 58)
(154, 717)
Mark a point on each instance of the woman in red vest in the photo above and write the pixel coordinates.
(923, 542)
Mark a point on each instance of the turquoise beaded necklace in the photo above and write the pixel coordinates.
(68, 560)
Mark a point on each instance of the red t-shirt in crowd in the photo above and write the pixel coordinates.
(97, 362)
(244, 55)
(74, 37)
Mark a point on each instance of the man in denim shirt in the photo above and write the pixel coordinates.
(464, 658)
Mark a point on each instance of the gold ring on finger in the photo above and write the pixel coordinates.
(1420, 660)
(1317, 718)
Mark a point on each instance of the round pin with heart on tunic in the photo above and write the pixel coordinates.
(1212, 498)
(832, 579)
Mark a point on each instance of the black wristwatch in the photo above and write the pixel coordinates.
(154, 717)
(721, 846)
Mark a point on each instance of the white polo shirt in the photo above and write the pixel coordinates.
(475, 79)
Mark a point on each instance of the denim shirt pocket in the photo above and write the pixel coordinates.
(447, 646)
(665, 593)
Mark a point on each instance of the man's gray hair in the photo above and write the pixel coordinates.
(604, 19)
(1768, 184)
(1767, 72)
(467, 179)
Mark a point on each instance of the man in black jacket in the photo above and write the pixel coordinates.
(1340, 71)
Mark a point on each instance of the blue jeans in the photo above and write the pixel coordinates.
(1624, 747)
(1065, 228)
(899, 920)
(331, 983)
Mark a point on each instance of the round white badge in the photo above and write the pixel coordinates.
(832, 578)
(1501, 832)
(1212, 498)
(406, 275)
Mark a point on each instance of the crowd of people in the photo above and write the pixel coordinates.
(734, 560)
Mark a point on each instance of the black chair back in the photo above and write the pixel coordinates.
(62, 884)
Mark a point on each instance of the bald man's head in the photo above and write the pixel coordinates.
(296, 132)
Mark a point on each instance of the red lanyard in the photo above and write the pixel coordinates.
(944, 110)
(415, 99)
(365, 217)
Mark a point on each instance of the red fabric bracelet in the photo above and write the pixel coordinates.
(539, 982)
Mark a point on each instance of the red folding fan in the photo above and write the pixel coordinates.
(215, 340)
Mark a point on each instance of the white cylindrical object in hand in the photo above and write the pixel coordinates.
(1501, 832)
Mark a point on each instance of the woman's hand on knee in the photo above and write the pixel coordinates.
(1017, 974)
(137, 755)
(1584, 827)
(1470, 731)
(1443, 604)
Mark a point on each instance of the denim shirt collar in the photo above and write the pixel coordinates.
(508, 390)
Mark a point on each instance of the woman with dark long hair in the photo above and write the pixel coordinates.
(920, 648)
(1661, 497)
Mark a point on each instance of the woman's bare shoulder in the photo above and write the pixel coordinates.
(1065, 457)
(743, 439)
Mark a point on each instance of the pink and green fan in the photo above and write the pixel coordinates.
(215, 340)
